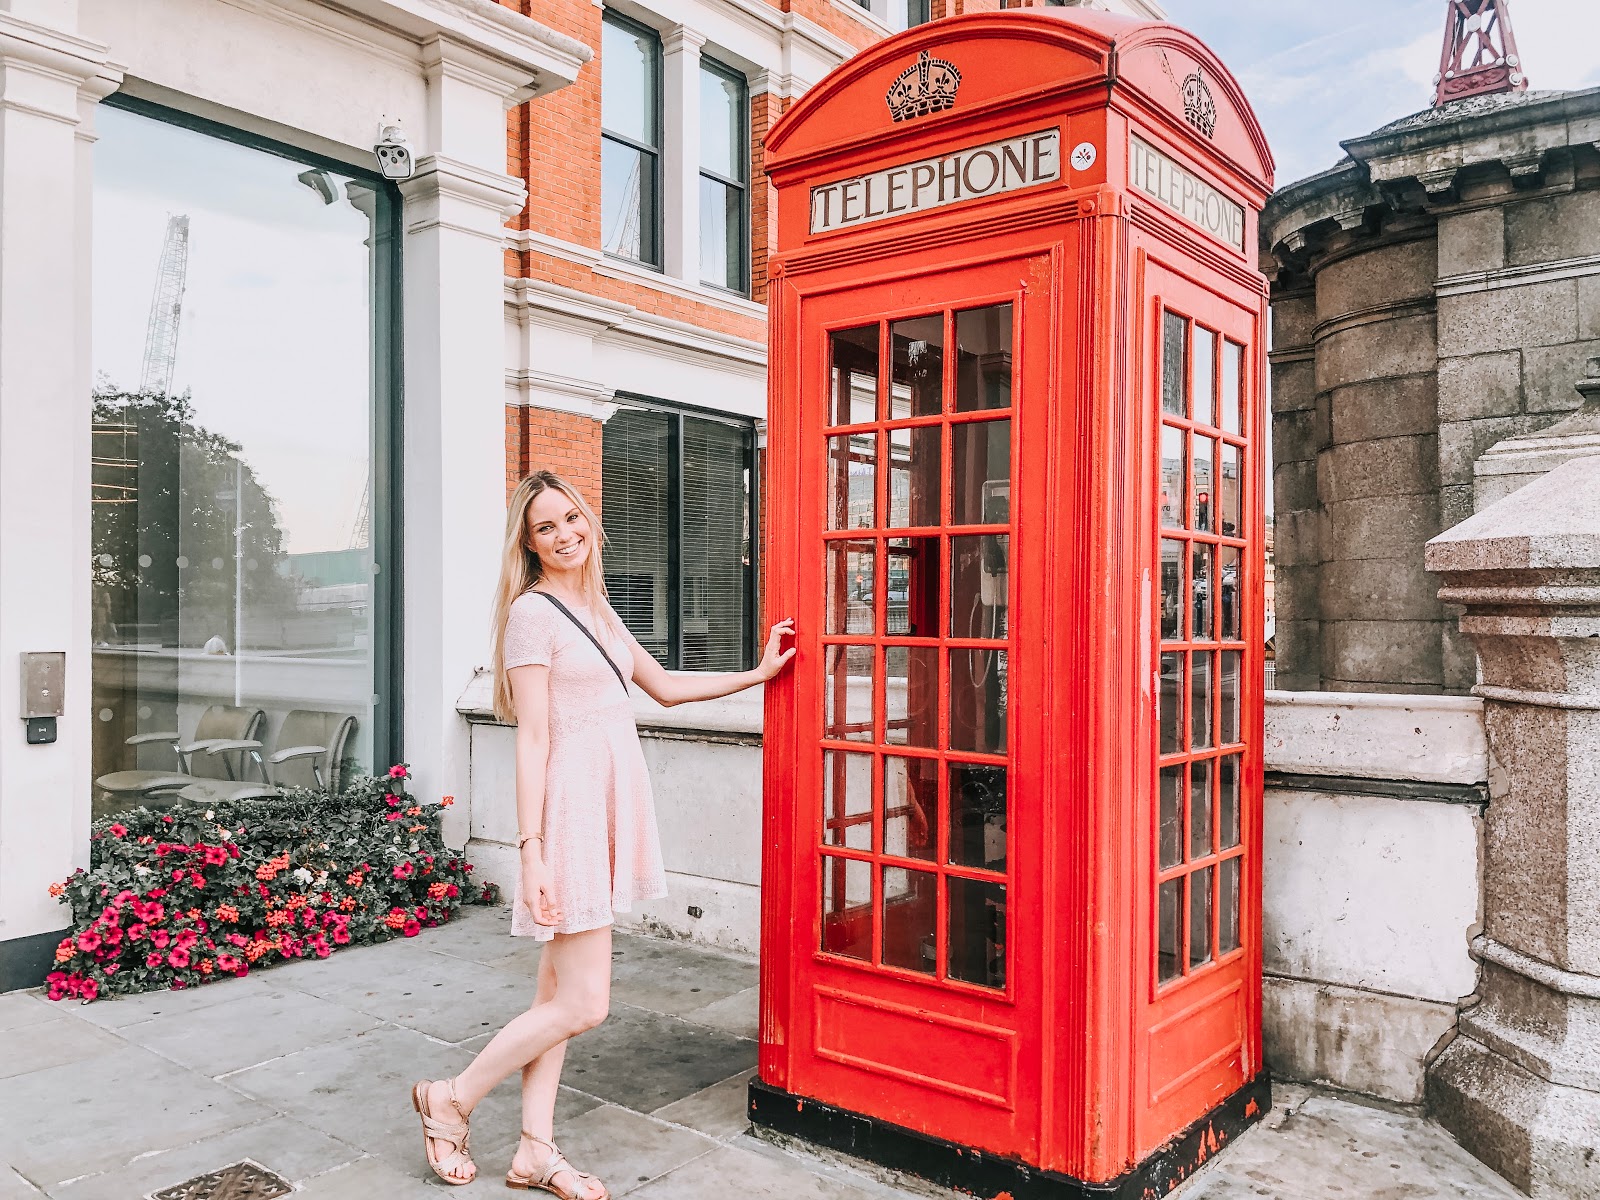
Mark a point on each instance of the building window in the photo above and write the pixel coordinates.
(677, 504)
(630, 141)
(904, 14)
(245, 319)
(724, 177)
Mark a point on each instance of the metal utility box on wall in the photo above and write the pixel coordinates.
(1012, 926)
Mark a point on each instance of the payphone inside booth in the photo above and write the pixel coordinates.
(1011, 883)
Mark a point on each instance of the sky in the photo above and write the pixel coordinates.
(1321, 71)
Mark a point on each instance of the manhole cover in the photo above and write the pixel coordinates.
(239, 1181)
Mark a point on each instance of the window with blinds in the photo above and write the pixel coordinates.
(676, 506)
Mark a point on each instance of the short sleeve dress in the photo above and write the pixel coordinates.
(600, 839)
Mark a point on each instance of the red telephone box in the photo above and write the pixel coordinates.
(1012, 925)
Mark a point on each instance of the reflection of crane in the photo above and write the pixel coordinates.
(166, 305)
(360, 527)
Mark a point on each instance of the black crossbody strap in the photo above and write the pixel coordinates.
(584, 629)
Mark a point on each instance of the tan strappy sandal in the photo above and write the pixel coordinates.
(453, 1133)
(542, 1178)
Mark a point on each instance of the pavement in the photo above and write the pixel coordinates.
(305, 1069)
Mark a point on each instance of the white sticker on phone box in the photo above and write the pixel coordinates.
(1083, 156)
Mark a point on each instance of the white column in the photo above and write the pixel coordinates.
(48, 75)
(454, 429)
(680, 152)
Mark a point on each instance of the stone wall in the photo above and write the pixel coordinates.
(1435, 293)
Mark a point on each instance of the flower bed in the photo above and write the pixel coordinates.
(194, 893)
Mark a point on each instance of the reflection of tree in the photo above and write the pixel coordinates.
(164, 497)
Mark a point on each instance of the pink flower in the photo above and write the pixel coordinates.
(160, 938)
(394, 816)
(88, 941)
(89, 991)
(136, 931)
(410, 929)
(404, 871)
(341, 936)
(397, 772)
(153, 959)
(180, 958)
(392, 800)
(117, 830)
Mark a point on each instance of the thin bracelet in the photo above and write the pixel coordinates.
(530, 837)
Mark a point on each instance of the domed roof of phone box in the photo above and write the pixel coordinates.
(1011, 61)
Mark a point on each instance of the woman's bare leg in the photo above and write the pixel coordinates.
(542, 1076)
(580, 966)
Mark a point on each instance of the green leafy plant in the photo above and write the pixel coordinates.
(190, 894)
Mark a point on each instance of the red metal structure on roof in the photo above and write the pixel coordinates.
(1011, 879)
(1480, 53)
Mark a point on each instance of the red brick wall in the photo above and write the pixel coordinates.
(540, 439)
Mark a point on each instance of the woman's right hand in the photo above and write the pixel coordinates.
(538, 890)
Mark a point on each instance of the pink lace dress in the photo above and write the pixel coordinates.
(600, 838)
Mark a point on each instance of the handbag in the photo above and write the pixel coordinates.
(594, 641)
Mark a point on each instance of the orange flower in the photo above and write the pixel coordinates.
(347, 904)
(64, 951)
(411, 812)
(265, 872)
(279, 917)
(447, 802)
(56, 890)
(415, 828)
(206, 966)
(354, 878)
(296, 900)
(395, 919)
(256, 949)
(436, 891)
(227, 912)
(193, 914)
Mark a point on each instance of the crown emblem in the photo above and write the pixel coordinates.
(927, 87)
(1199, 109)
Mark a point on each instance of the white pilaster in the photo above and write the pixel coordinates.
(49, 75)
(454, 427)
(680, 171)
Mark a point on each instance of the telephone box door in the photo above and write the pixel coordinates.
(916, 885)
(1199, 1004)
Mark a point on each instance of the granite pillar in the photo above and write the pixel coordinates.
(1520, 1084)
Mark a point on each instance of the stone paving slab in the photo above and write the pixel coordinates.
(307, 1069)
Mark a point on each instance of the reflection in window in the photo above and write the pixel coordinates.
(978, 816)
(1205, 384)
(847, 800)
(846, 907)
(1228, 595)
(1229, 492)
(1201, 591)
(854, 375)
(1169, 896)
(1200, 917)
(1174, 478)
(850, 587)
(847, 688)
(1230, 696)
(1199, 808)
(1200, 701)
(1171, 703)
(978, 700)
(630, 141)
(1232, 374)
(983, 358)
(913, 599)
(1172, 626)
(1228, 801)
(1174, 364)
(724, 173)
(1170, 819)
(1228, 912)
(911, 696)
(980, 473)
(914, 476)
(908, 919)
(1204, 499)
(977, 950)
(980, 574)
(238, 520)
(852, 481)
(910, 807)
(916, 388)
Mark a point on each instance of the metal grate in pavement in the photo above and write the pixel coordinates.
(238, 1181)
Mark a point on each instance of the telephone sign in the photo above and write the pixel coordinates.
(1011, 930)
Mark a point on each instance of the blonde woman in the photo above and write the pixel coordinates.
(587, 832)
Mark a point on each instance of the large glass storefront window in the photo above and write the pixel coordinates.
(243, 396)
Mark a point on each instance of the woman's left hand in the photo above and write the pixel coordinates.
(775, 659)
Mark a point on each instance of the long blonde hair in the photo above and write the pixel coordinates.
(520, 570)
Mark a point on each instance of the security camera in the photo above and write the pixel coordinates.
(393, 151)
